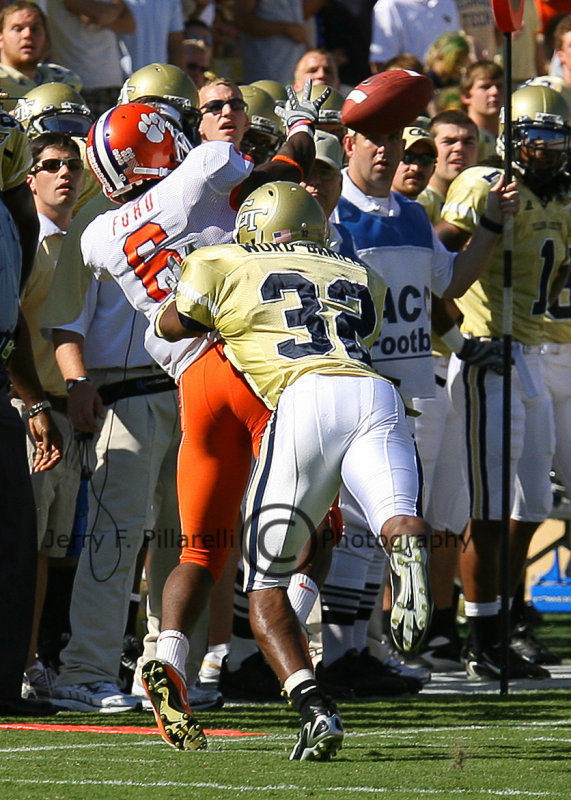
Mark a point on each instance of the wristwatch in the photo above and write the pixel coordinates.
(72, 382)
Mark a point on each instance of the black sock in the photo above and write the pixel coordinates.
(443, 623)
(484, 632)
(304, 693)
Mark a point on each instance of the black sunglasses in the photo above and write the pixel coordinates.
(424, 159)
(217, 106)
(55, 164)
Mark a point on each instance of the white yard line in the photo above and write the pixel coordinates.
(449, 793)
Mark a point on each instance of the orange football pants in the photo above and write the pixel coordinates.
(222, 424)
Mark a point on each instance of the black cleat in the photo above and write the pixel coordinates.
(528, 646)
(485, 665)
(321, 734)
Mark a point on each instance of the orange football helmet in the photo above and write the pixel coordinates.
(130, 144)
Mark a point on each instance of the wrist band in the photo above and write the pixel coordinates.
(74, 381)
(37, 408)
(290, 161)
(453, 338)
(490, 225)
(301, 126)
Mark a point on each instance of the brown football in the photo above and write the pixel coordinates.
(386, 101)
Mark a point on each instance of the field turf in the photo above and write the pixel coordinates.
(443, 746)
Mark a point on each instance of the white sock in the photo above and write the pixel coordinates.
(360, 629)
(212, 662)
(240, 650)
(296, 678)
(172, 647)
(481, 609)
(337, 640)
(302, 593)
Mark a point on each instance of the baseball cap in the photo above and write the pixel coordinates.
(415, 134)
(328, 149)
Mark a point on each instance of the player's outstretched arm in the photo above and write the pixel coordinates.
(294, 160)
(470, 263)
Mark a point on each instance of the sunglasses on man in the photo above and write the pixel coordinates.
(422, 159)
(55, 164)
(217, 106)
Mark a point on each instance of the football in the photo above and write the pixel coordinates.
(386, 101)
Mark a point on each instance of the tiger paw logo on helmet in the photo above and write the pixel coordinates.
(153, 126)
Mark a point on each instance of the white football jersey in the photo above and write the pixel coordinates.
(142, 242)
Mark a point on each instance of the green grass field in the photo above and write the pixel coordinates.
(450, 747)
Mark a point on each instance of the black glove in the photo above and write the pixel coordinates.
(483, 354)
(301, 111)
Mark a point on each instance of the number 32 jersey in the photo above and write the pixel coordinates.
(284, 310)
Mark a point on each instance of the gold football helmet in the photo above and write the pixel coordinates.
(280, 212)
(170, 90)
(265, 133)
(53, 107)
(541, 132)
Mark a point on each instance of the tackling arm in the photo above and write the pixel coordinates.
(173, 327)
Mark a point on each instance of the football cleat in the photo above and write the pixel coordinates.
(526, 643)
(486, 665)
(411, 603)
(321, 734)
(166, 690)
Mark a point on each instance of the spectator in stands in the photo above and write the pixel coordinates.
(409, 26)
(273, 37)
(482, 93)
(350, 52)
(24, 43)
(196, 62)
(84, 34)
(318, 65)
(158, 35)
(562, 43)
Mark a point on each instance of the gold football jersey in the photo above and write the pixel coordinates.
(558, 317)
(432, 202)
(14, 84)
(541, 232)
(284, 310)
(15, 155)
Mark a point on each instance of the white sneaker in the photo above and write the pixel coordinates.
(102, 696)
(28, 691)
(138, 690)
(204, 695)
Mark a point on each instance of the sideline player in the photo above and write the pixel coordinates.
(296, 318)
(541, 138)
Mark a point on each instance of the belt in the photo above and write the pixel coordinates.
(57, 403)
(133, 387)
(555, 348)
(531, 348)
